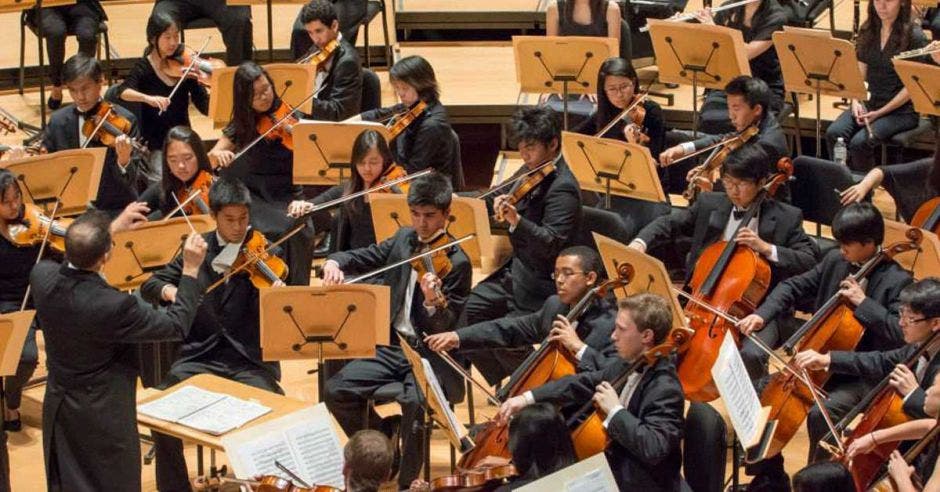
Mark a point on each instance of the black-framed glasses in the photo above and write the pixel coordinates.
(563, 275)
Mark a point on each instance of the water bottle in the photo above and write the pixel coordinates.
(839, 152)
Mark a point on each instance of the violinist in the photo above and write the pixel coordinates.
(149, 85)
(224, 339)
(339, 78)
(644, 422)
(428, 304)
(859, 229)
(185, 166)
(620, 83)
(234, 22)
(428, 140)
(367, 461)
(349, 13)
(266, 168)
(84, 78)
(577, 270)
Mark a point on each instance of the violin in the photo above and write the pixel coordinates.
(278, 123)
(884, 482)
(732, 278)
(523, 186)
(636, 113)
(32, 228)
(833, 327)
(105, 126)
(707, 169)
(198, 204)
(319, 57)
(393, 173)
(927, 216)
(589, 435)
(274, 483)
(184, 56)
(400, 122)
(481, 478)
(437, 263)
(550, 362)
(263, 268)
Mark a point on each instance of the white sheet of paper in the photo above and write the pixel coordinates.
(436, 388)
(182, 402)
(224, 415)
(590, 475)
(738, 392)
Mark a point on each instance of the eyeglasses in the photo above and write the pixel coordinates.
(618, 88)
(563, 275)
(737, 185)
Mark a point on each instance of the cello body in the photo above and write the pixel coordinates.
(887, 411)
(927, 216)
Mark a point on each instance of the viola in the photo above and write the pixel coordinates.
(393, 173)
(105, 126)
(636, 113)
(263, 268)
(525, 185)
(34, 226)
(927, 216)
(437, 263)
(319, 57)
(550, 362)
(707, 169)
(175, 65)
(732, 279)
(278, 124)
(589, 435)
(481, 478)
(833, 327)
(199, 186)
(400, 122)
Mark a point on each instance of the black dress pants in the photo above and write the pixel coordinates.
(233, 22)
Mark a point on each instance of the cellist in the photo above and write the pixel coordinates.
(859, 229)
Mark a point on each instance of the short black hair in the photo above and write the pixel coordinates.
(754, 90)
(831, 476)
(318, 10)
(228, 191)
(88, 239)
(589, 259)
(749, 163)
(418, 73)
(859, 222)
(535, 124)
(7, 181)
(79, 66)
(923, 297)
(539, 441)
(431, 189)
(649, 312)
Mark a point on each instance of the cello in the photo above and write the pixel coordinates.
(550, 362)
(927, 216)
(833, 327)
(884, 483)
(732, 279)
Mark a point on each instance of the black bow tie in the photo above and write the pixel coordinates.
(90, 113)
(738, 214)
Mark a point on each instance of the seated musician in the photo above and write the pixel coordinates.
(367, 461)
(644, 422)
(350, 14)
(859, 229)
(184, 160)
(233, 21)
(429, 140)
(418, 306)
(757, 22)
(748, 100)
(225, 336)
(587, 338)
(84, 79)
(339, 78)
(266, 168)
(588, 18)
(621, 85)
(828, 476)
(542, 223)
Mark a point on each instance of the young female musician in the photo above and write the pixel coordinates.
(184, 162)
(598, 18)
(618, 86)
(887, 32)
(428, 141)
(149, 84)
(266, 168)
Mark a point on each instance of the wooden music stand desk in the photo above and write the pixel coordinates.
(561, 64)
(13, 328)
(467, 216)
(71, 176)
(612, 167)
(292, 82)
(923, 262)
(699, 55)
(923, 84)
(137, 253)
(323, 149)
(814, 62)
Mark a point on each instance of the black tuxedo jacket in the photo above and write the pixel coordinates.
(228, 315)
(89, 415)
(769, 136)
(341, 93)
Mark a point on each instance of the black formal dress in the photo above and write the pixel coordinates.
(352, 226)
(89, 414)
(341, 92)
(346, 393)
(645, 436)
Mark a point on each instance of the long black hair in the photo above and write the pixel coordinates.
(418, 73)
(157, 24)
(367, 141)
(169, 183)
(242, 126)
(869, 35)
(7, 183)
(616, 66)
(539, 441)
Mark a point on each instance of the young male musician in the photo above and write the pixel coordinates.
(577, 271)
(859, 228)
(339, 78)
(350, 13)
(84, 78)
(89, 419)
(234, 22)
(541, 224)
(367, 461)
(416, 309)
(644, 422)
(224, 339)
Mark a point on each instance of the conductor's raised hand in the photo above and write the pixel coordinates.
(194, 252)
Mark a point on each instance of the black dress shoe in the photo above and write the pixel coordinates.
(15, 425)
(54, 103)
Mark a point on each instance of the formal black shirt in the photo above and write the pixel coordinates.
(15, 265)
(768, 19)
(883, 81)
(654, 127)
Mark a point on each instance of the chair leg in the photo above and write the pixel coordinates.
(22, 54)
(471, 410)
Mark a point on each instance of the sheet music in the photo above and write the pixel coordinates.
(182, 402)
(738, 392)
(589, 475)
(206, 411)
(592, 481)
(318, 450)
(436, 388)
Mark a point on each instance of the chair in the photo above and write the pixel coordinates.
(602, 222)
(371, 91)
(814, 191)
(374, 8)
(906, 139)
(457, 180)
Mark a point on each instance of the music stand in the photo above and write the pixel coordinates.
(698, 55)
(333, 322)
(323, 149)
(467, 216)
(69, 176)
(650, 274)
(923, 262)
(13, 329)
(814, 62)
(137, 253)
(612, 167)
(923, 84)
(292, 82)
(560, 64)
